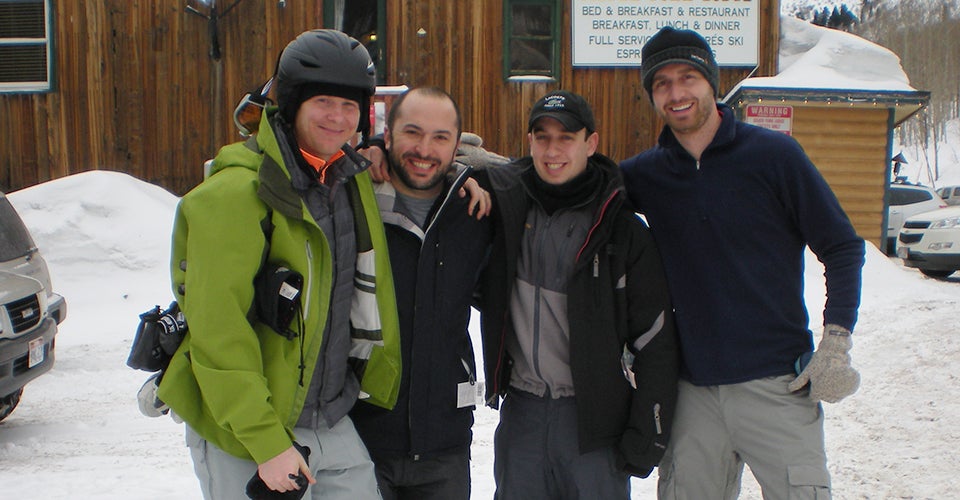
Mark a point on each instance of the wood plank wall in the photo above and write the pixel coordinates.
(462, 52)
(136, 90)
(849, 147)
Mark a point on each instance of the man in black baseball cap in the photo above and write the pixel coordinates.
(557, 303)
(554, 115)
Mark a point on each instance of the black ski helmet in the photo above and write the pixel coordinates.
(330, 60)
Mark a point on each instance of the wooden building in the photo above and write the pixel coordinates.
(148, 87)
(848, 135)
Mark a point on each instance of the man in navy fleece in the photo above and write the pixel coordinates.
(731, 207)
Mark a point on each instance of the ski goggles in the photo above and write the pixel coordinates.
(246, 116)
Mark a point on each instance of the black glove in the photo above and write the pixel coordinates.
(634, 456)
(258, 490)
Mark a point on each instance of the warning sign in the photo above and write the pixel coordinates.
(779, 118)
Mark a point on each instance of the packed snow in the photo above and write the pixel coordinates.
(105, 235)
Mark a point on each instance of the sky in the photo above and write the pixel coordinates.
(105, 236)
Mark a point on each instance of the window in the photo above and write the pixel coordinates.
(531, 38)
(899, 196)
(364, 20)
(25, 46)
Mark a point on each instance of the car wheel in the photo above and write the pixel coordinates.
(9, 402)
(936, 274)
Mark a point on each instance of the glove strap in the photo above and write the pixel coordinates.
(837, 331)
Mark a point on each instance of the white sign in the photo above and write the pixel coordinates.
(773, 117)
(612, 32)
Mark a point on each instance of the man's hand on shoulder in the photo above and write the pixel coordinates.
(479, 198)
(377, 154)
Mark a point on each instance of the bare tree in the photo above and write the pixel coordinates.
(926, 36)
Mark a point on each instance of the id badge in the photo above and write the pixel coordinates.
(469, 394)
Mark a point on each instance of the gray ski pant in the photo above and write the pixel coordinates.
(537, 454)
(338, 461)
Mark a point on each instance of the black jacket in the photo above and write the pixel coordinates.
(616, 294)
(435, 279)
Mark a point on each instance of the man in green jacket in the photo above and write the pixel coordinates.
(289, 217)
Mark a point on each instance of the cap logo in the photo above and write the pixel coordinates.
(698, 59)
(554, 102)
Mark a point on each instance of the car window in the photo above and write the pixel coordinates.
(908, 196)
(15, 241)
(956, 191)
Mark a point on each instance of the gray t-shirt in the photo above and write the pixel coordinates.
(416, 209)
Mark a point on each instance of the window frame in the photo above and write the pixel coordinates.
(380, 61)
(553, 73)
(47, 41)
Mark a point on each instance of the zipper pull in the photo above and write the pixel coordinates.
(470, 376)
(596, 265)
(656, 418)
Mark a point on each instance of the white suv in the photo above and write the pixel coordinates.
(950, 194)
(29, 310)
(930, 242)
(906, 200)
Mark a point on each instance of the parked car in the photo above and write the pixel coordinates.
(906, 200)
(29, 310)
(950, 194)
(930, 242)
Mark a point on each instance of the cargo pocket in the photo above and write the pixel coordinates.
(808, 482)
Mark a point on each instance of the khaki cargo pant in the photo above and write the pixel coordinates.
(719, 428)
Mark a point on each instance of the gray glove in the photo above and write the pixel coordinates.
(829, 372)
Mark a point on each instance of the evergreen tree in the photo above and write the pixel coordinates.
(834, 20)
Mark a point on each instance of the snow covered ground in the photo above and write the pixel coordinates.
(105, 235)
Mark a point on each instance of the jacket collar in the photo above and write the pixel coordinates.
(275, 187)
(387, 200)
(725, 134)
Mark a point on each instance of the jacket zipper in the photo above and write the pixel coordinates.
(541, 236)
(455, 185)
(309, 253)
(593, 228)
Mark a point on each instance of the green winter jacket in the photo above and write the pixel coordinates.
(237, 382)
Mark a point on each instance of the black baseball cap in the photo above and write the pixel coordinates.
(570, 109)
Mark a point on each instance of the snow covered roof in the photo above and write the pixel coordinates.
(826, 66)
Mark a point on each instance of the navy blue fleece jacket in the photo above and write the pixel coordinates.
(731, 230)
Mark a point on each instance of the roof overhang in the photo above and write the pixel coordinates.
(904, 103)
